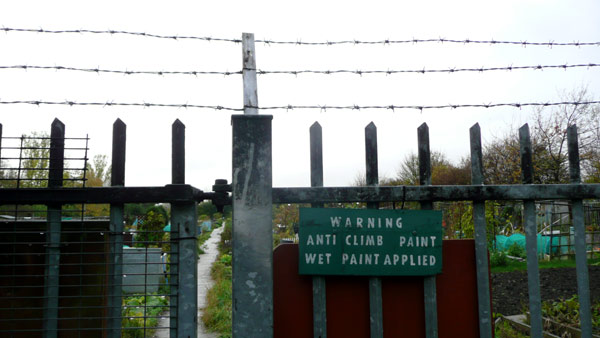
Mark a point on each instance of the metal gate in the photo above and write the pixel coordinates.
(253, 196)
(64, 274)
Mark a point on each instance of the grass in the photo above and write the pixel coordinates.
(505, 330)
(513, 265)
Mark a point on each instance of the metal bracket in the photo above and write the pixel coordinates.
(220, 196)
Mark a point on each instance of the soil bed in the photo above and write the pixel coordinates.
(510, 294)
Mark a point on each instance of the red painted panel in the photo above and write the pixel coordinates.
(403, 309)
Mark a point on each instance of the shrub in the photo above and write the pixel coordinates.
(516, 250)
(498, 258)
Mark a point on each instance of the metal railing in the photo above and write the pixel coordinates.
(72, 276)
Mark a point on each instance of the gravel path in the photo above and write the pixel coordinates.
(205, 282)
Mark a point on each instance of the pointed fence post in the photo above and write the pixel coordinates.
(252, 227)
(533, 273)
(52, 266)
(429, 287)
(372, 178)
(316, 180)
(184, 221)
(583, 281)
(116, 279)
(481, 250)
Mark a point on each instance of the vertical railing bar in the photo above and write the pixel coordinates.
(249, 75)
(583, 282)
(52, 274)
(82, 229)
(481, 250)
(177, 177)
(533, 274)
(319, 288)
(19, 175)
(429, 282)
(184, 218)
(252, 227)
(372, 178)
(116, 231)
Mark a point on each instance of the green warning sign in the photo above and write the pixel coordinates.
(370, 242)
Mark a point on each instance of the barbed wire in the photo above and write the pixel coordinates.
(292, 107)
(98, 70)
(119, 104)
(118, 32)
(423, 71)
(299, 42)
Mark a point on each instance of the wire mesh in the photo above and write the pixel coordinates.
(84, 278)
(81, 299)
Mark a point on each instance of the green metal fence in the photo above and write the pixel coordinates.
(69, 275)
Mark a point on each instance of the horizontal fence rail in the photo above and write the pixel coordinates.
(435, 193)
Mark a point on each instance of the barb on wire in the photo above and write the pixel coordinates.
(98, 70)
(299, 42)
(292, 107)
(125, 72)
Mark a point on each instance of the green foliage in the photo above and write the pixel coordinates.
(516, 250)
(226, 237)
(226, 259)
(135, 308)
(498, 258)
(150, 232)
(505, 330)
(217, 314)
(566, 311)
(206, 208)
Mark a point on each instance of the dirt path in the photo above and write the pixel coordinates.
(510, 293)
(204, 284)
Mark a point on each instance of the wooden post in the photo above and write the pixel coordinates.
(372, 178)
(429, 287)
(249, 75)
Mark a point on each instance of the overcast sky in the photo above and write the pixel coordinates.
(209, 131)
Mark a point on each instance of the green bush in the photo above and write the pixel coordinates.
(516, 250)
(498, 258)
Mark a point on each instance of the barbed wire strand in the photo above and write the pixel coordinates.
(99, 70)
(292, 107)
(299, 42)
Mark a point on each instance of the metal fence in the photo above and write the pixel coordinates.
(253, 196)
(67, 274)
